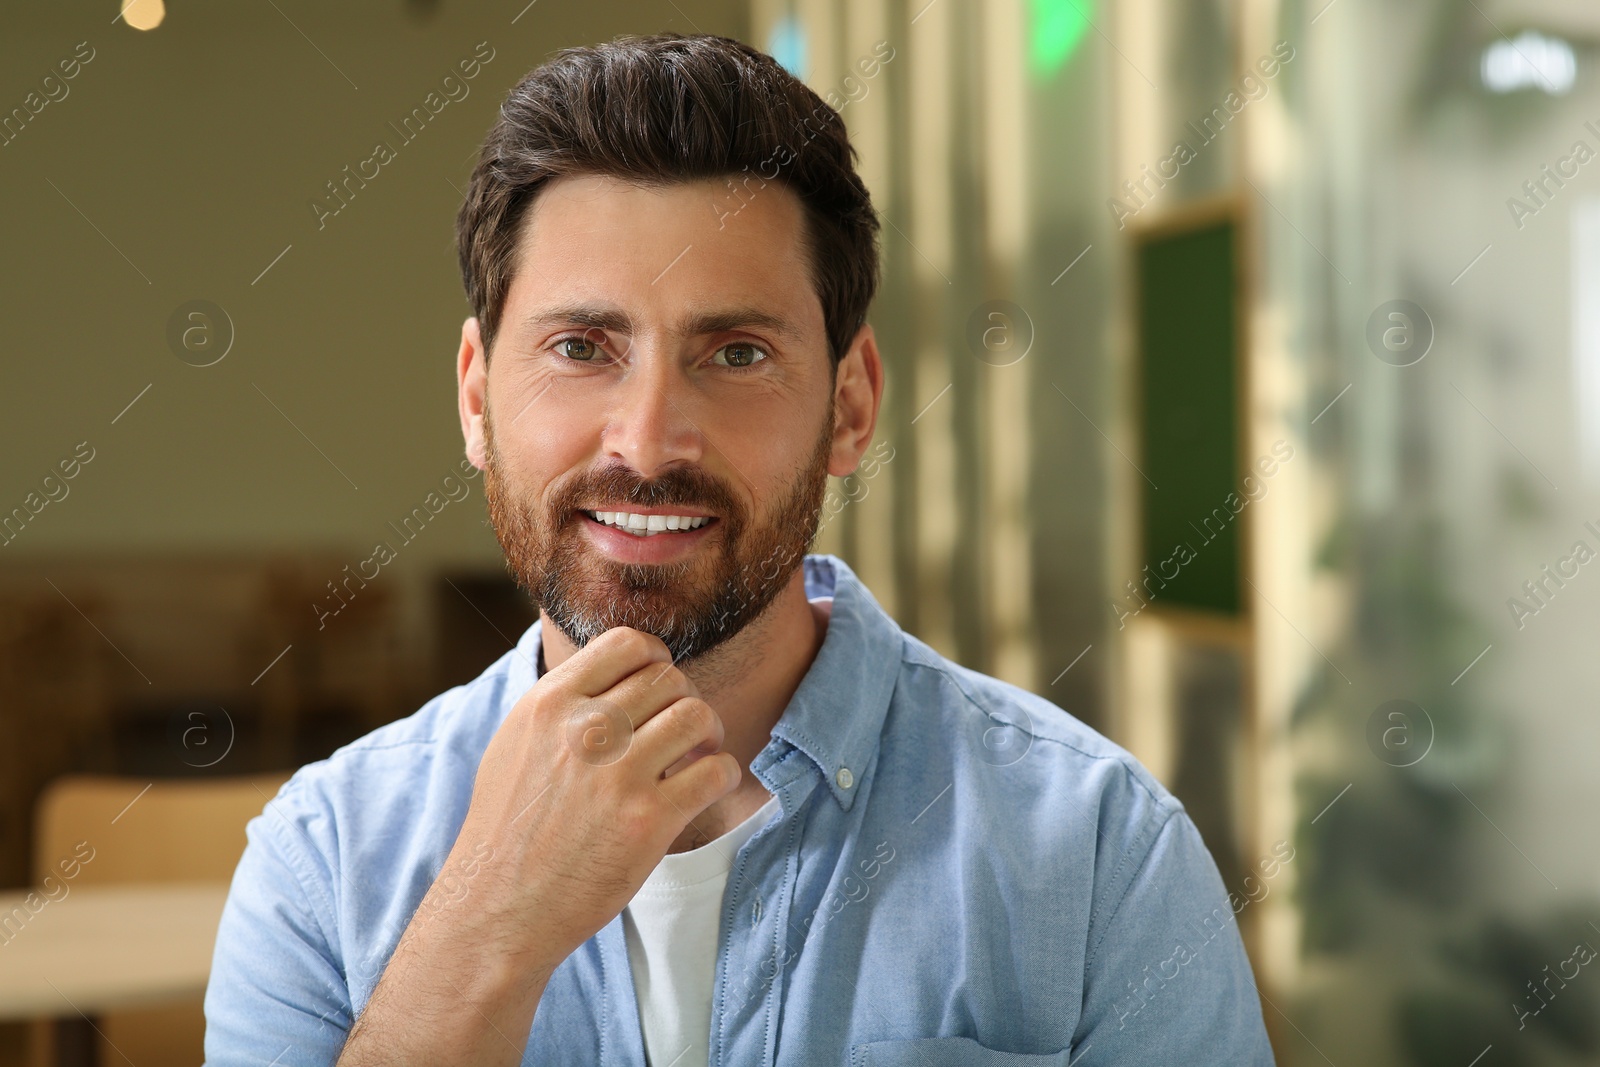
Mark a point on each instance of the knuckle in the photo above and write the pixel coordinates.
(621, 638)
(697, 716)
(535, 705)
(636, 821)
(639, 642)
(555, 707)
(728, 769)
(726, 776)
(673, 680)
(533, 695)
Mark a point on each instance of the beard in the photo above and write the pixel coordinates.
(693, 604)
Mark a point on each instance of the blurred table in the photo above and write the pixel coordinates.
(104, 948)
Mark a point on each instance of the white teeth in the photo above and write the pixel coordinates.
(649, 525)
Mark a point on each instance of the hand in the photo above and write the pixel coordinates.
(598, 768)
(595, 772)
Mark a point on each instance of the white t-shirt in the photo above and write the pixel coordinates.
(671, 927)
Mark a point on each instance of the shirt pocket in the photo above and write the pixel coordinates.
(947, 1052)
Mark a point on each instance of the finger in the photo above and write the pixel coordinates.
(698, 752)
(649, 690)
(610, 658)
(701, 784)
(687, 724)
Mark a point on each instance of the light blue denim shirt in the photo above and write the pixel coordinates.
(959, 873)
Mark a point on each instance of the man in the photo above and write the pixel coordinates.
(715, 807)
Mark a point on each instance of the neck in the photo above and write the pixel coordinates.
(749, 678)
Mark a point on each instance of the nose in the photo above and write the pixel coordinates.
(651, 428)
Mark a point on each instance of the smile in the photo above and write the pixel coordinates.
(648, 525)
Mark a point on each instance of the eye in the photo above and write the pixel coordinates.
(739, 354)
(582, 349)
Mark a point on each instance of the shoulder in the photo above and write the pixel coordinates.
(1005, 725)
(1041, 781)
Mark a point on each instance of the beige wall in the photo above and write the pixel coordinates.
(192, 152)
(988, 535)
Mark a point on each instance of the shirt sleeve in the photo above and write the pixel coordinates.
(1167, 979)
(277, 993)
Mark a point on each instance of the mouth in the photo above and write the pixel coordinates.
(644, 524)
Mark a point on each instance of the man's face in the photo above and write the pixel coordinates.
(658, 357)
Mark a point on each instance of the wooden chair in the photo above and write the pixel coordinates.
(181, 830)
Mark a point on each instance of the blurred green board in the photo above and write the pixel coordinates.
(1188, 419)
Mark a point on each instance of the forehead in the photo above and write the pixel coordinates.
(664, 250)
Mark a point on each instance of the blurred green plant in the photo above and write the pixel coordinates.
(1388, 870)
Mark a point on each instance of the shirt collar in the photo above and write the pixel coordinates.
(836, 714)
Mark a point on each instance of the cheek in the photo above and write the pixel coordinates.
(542, 429)
(554, 439)
(778, 441)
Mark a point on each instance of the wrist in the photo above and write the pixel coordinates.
(489, 930)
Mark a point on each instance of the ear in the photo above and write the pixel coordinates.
(472, 385)
(857, 392)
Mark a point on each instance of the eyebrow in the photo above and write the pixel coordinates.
(698, 324)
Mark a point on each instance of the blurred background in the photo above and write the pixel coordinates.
(1243, 399)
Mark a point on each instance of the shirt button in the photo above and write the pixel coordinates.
(845, 778)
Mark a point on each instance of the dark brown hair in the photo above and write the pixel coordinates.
(665, 109)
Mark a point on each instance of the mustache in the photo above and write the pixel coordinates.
(617, 484)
